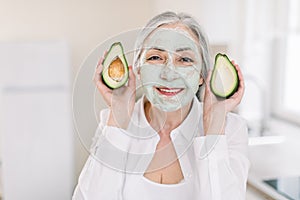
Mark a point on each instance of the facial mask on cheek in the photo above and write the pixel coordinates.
(188, 81)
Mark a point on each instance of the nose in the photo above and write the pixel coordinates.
(169, 73)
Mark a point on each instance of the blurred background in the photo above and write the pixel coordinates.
(45, 133)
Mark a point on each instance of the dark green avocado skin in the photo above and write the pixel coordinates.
(236, 86)
(126, 63)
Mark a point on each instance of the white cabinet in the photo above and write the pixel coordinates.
(37, 139)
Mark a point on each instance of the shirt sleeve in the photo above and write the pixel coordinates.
(222, 160)
(102, 176)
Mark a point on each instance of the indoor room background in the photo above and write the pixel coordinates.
(48, 102)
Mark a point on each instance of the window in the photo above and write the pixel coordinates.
(291, 89)
(287, 103)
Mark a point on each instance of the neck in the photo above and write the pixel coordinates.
(165, 122)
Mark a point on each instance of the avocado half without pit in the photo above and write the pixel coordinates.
(115, 67)
(224, 80)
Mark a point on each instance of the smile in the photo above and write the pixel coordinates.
(168, 91)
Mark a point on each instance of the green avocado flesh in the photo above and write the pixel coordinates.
(224, 80)
(115, 67)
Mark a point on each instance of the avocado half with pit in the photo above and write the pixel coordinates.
(115, 67)
(224, 80)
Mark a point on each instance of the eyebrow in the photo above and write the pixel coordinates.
(177, 50)
(183, 49)
(156, 48)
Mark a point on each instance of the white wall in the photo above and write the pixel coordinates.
(207, 12)
(37, 141)
(223, 21)
(82, 24)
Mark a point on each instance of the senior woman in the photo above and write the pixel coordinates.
(168, 145)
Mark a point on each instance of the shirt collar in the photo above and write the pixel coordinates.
(187, 130)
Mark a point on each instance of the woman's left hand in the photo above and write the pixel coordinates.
(214, 110)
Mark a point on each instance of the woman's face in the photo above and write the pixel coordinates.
(170, 67)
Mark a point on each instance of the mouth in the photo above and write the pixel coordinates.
(168, 91)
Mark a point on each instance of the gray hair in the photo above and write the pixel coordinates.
(170, 18)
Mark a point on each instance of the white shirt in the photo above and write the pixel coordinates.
(215, 167)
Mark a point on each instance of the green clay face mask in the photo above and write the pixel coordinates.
(170, 69)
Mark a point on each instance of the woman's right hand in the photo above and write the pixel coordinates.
(215, 111)
(120, 101)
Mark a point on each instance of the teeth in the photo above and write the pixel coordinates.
(169, 90)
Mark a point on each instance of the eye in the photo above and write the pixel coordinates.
(154, 58)
(186, 60)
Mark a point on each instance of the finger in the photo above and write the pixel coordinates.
(103, 89)
(241, 88)
(97, 75)
(209, 97)
(100, 61)
(99, 82)
(131, 81)
(237, 67)
(236, 98)
(241, 79)
(207, 81)
(240, 91)
(99, 67)
(104, 53)
(240, 75)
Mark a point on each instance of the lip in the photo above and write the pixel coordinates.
(168, 91)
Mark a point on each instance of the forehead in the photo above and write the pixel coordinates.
(172, 37)
(180, 27)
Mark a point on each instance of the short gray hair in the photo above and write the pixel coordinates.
(171, 18)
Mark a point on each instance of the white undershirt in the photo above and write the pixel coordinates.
(138, 187)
